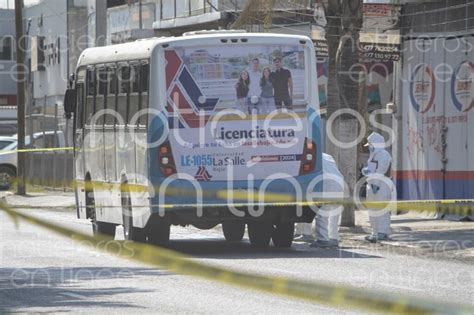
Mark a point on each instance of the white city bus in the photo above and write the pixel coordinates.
(183, 130)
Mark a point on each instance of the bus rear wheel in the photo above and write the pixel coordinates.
(233, 231)
(103, 228)
(283, 234)
(130, 232)
(159, 233)
(260, 234)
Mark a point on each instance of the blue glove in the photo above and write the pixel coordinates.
(375, 188)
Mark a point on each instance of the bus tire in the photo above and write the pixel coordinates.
(103, 228)
(260, 234)
(130, 232)
(233, 231)
(159, 234)
(283, 234)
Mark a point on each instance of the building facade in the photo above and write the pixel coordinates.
(436, 101)
(140, 19)
(7, 73)
(57, 35)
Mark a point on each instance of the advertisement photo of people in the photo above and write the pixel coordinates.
(262, 91)
(254, 79)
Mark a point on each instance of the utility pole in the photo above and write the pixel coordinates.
(344, 24)
(140, 12)
(21, 68)
(100, 23)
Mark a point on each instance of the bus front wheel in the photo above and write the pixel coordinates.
(103, 228)
(283, 234)
(260, 233)
(233, 231)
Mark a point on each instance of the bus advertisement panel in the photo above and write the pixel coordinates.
(237, 110)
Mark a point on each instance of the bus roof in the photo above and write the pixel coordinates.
(142, 49)
(114, 53)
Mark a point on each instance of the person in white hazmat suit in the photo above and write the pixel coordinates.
(328, 216)
(379, 186)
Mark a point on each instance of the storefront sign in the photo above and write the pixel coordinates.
(379, 47)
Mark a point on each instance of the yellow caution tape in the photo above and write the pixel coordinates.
(456, 207)
(463, 207)
(324, 293)
(255, 198)
(37, 150)
(244, 198)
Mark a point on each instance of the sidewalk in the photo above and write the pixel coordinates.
(418, 234)
(415, 234)
(43, 199)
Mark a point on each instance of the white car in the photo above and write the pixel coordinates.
(6, 143)
(8, 155)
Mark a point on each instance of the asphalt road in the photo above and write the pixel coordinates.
(42, 272)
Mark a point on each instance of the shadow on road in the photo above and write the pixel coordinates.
(59, 289)
(220, 249)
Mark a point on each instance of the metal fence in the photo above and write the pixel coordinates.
(47, 129)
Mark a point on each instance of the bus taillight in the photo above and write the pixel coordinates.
(166, 161)
(308, 158)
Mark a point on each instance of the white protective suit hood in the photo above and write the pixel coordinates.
(376, 140)
(329, 165)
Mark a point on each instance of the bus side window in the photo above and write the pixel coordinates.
(144, 87)
(91, 84)
(111, 96)
(124, 92)
(101, 96)
(91, 81)
(80, 104)
(103, 82)
(124, 78)
(135, 77)
(145, 77)
(134, 99)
